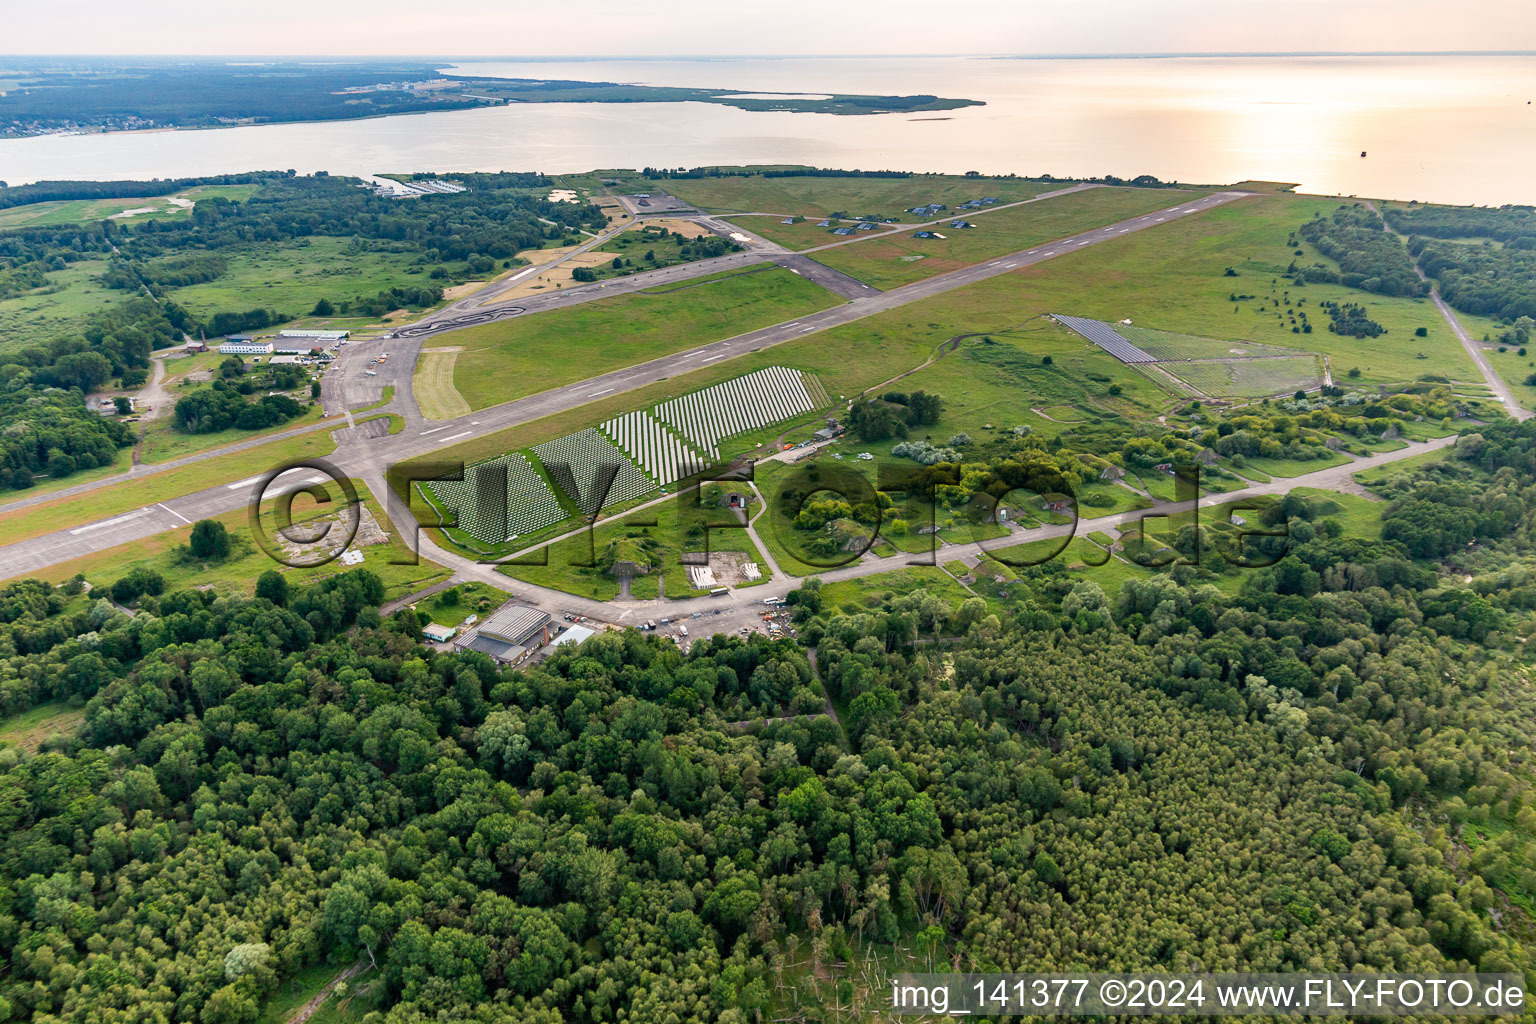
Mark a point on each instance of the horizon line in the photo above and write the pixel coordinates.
(714, 58)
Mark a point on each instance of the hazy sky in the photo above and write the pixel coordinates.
(733, 27)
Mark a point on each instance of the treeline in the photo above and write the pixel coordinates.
(410, 297)
(51, 191)
(1515, 225)
(49, 432)
(1483, 280)
(494, 222)
(1369, 257)
(221, 406)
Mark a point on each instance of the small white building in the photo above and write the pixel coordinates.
(577, 635)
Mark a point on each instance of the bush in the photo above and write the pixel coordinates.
(136, 584)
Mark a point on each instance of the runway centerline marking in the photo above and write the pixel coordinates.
(108, 522)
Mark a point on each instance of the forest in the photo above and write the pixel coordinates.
(1483, 258)
(1326, 767)
(1369, 257)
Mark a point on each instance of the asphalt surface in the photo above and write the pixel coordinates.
(368, 460)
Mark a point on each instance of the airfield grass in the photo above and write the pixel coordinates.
(820, 196)
(1170, 277)
(164, 443)
(803, 234)
(129, 494)
(432, 384)
(60, 307)
(513, 358)
(634, 243)
(166, 554)
(901, 259)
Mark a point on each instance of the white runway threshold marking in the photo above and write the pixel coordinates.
(173, 512)
(109, 522)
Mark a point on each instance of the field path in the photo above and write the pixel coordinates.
(307, 1011)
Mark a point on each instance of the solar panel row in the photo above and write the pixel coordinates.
(1107, 338)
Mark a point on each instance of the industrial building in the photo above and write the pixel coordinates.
(245, 347)
(310, 334)
(509, 634)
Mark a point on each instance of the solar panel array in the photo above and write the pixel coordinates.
(1107, 338)
(657, 450)
(530, 504)
(738, 405)
(582, 464)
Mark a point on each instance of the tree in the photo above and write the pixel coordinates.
(123, 405)
(271, 586)
(209, 541)
(324, 308)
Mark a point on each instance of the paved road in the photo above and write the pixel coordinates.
(1496, 383)
(369, 460)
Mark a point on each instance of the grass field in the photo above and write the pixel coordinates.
(820, 197)
(117, 498)
(871, 593)
(1293, 467)
(902, 259)
(164, 443)
(524, 355)
(80, 211)
(1172, 278)
(1251, 378)
(432, 385)
(27, 730)
(62, 306)
(165, 553)
(292, 276)
(1173, 345)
